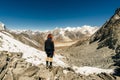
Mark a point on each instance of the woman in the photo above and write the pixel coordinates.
(49, 49)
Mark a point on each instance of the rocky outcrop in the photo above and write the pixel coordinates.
(13, 67)
(109, 33)
(109, 36)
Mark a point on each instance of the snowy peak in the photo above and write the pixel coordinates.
(61, 35)
(73, 33)
(117, 14)
(2, 26)
(83, 29)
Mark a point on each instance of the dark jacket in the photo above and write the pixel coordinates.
(49, 45)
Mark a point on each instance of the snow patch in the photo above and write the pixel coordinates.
(2, 24)
(65, 71)
(91, 70)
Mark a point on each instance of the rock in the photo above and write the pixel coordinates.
(105, 76)
(3, 62)
(69, 69)
(58, 72)
(20, 65)
(18, 71)
(17, 55)
(44, 73)
(25, 78)
(30, 71)
(2, 74)
(117, 71)
(72, 76)
(3, 65)
(117, 78)
(8, 76)
(92, 77)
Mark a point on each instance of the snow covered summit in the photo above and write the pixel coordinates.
(2, 26)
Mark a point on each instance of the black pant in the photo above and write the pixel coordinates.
(50, 54)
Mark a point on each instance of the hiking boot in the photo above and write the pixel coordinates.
(47, 65)
(50, 67)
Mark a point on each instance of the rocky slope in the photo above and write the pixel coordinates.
(101, 50)
(109, 36)
(35, 40)
(13, 67)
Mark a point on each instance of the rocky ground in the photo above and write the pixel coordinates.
(13, 67)
(88, 55)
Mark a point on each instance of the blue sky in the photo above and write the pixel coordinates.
(48, 14)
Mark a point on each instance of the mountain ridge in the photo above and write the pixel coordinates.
(61, 35)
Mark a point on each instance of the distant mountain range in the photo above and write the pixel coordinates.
(61, 35)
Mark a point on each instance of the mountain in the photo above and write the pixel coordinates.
(34, 39)
(109, 33)
(2, 26)
(70, 34)
(62, 36)
(109, 36)
(101, 50)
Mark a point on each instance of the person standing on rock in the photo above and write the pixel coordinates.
(49, 49)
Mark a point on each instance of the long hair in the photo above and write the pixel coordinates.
(50, 36)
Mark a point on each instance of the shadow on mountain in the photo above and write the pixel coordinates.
(102, 49)
(109, 36)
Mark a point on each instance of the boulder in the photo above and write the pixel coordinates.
(30, 71)
(105, 76)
